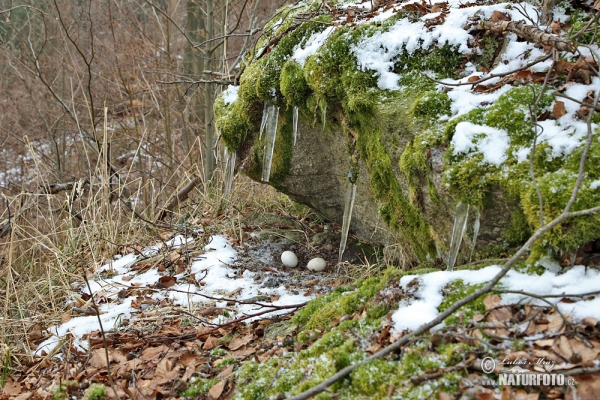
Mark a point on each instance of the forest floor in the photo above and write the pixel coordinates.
(183, 314)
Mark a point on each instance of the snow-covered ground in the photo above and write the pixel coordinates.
(211, 269)
(423, 307)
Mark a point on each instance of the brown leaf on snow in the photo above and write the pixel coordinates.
(498, 16)
(217, 390)
(555, 322)
(559, 109)
(563, 67)
(166, 282)
(491, 301)
(239, 342)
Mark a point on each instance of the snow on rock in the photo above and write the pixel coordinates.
(492, 143)
(230, 94)
(312, 45)
(424, 306)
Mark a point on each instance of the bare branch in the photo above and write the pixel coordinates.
(532, 34)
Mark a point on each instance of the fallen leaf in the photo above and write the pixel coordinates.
(502, 314)
(226, 372)
(588, 387)
(217, 390)
(498, 16)
(238, 342)
(491, 301)
(211, 343)
(12, 388)
(559, 109)
(149, 353)
(98, 358)
(166, 282)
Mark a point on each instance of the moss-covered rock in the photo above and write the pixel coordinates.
(400, 144)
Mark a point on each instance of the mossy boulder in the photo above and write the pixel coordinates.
(395, 136)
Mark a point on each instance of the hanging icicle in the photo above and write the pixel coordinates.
(476, 226)
(229, 171)
(348, 207)
(270, 135)
(295, 123)
(324, 115)
(458, 232)
(263, 122)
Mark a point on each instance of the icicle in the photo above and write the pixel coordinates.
(348, 206)
(458, 231)
(230, 171)
(270, 134)
(295, 123)
(323, 116)
(476, 225)
(264, 120)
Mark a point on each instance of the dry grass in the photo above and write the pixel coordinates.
(56, 238)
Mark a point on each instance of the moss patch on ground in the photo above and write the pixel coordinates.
(334, 345)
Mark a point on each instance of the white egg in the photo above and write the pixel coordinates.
(317, 264)
(289, 259)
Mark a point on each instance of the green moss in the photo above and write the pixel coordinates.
(225, 362)
(319, 313)
(61, 391)
(455, 291)
(431, 105)
(578, 20)
(395, 209)
(293, 85)
(198, 386)
(445, 61)
(234, 122)
(96, 391)
(373, 379)
(519, 229)
(282, 153)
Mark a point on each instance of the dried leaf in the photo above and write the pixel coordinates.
(210, 343)
(166, 282)
(559, 109)
(217, 390)
(239, 342)
(150, 353)
(226, 373)
(491, 301)
(12, 388)
(563, 67)
(498, 16)
(588, 387)
(474, 78)
(98, 358)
